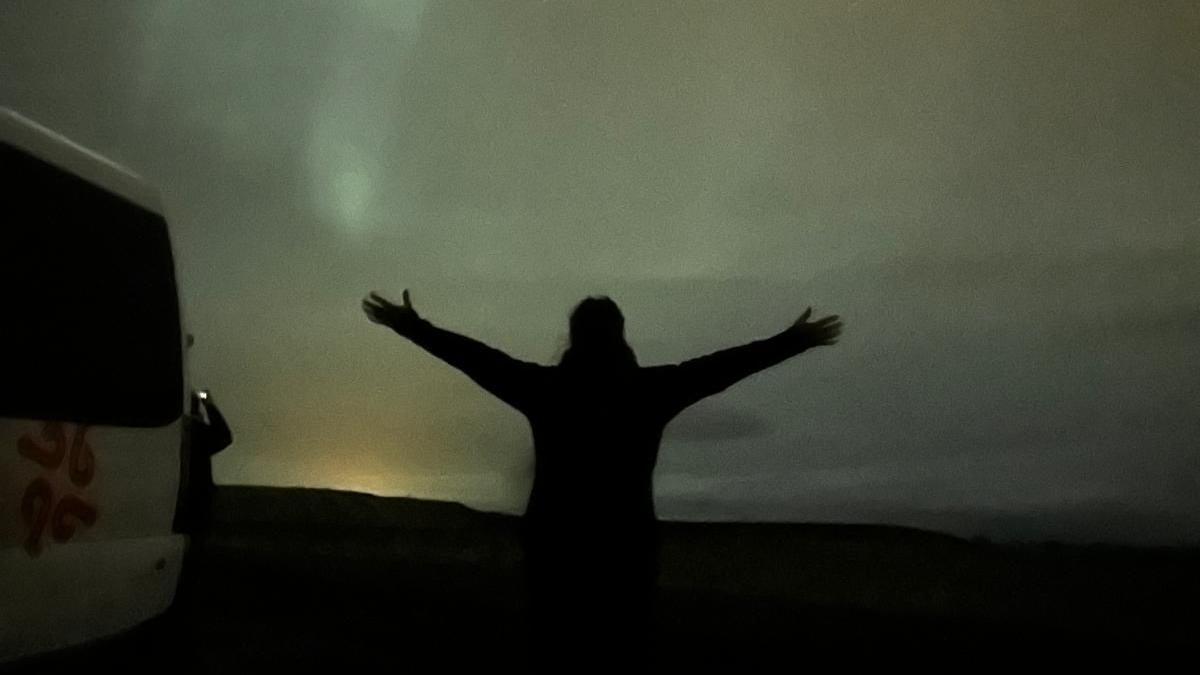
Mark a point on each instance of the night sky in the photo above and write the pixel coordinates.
(1001, 200)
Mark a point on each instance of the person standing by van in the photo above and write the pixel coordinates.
(209, 433)
(597, 417)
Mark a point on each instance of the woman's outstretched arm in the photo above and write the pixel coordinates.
(509, 379)
(698, 378)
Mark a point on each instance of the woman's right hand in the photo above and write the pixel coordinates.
(397, 317)
(817, 333)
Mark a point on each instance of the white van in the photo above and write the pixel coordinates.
(92, 396)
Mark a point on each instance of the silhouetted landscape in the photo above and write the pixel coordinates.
(297, 577)
(635, 231)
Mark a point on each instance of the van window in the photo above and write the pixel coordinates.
(89, 330)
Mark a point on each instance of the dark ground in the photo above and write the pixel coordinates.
(295, 579)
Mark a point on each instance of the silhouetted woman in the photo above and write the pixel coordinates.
(597, 419)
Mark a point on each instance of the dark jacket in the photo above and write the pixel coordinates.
(596, 434)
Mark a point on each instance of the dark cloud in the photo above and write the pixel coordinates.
(713, 421)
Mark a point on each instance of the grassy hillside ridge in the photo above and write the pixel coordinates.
(1098, 591)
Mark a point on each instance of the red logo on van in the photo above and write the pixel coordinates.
(39, 507)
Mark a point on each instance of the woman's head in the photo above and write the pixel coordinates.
(598, 335)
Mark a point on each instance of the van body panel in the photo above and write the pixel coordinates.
(73, 594)
(93, 395)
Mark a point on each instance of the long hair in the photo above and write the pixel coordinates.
(598, 337)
